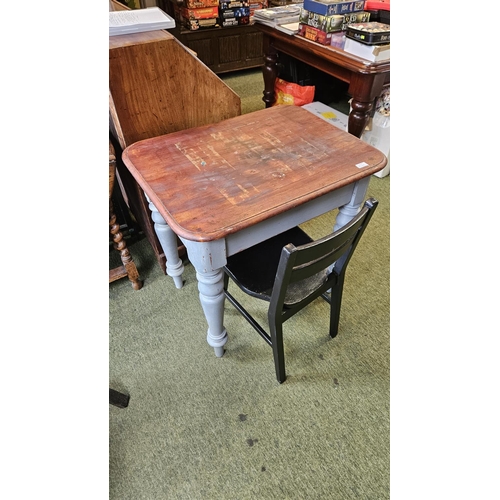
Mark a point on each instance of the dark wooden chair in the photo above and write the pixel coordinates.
(290, 271)
(128, 267)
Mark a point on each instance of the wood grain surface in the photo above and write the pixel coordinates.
(214, 180)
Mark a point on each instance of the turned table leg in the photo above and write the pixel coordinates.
(208, 258)
(168, 242)
(358, 117)
(364, 89)
(348, 211)
(269, 73)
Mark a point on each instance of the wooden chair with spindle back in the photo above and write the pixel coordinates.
(128, 267)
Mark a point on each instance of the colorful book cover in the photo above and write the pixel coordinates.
(330, 9)
(330, 24)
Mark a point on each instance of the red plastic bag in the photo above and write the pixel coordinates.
(292, 94)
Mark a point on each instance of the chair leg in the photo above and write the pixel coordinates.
(118, 398)
(129, 267)
(276, 331)
(335, 305)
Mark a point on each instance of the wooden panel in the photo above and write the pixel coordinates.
(204, 50)
(230, 48)
(225, 49)
(254, 46)
(159, 87)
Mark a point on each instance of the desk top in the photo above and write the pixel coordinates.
(332, 54)
(211, 181)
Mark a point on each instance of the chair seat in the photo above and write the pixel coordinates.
(254, 269)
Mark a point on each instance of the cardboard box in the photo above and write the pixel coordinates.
(235, 21)
(371, 33)
(205, 13)
(200, 4)
(327, 24)
(378, 136)
(330, 9)
(338, 39)
(224, 5)
(328, 114)
(258, 5)
(196, 24)
(372, 53)
(332, 24)
(314, 34)
(235, 13)
(355, 17)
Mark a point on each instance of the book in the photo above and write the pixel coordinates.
(123, 22)
(335, 8)
(289, 28)
(373, 53)
(283, 14)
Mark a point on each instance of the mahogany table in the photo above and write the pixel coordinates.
(366, 79)
(225, 187)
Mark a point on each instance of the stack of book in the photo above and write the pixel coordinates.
(257, 5)
(124, 22)
(282, 17)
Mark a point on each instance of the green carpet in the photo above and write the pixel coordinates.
(249, 85)
(201, 427)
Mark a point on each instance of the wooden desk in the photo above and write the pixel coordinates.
(365, 78)
(225, 187)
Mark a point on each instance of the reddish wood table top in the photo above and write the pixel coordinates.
(211, 181)
(331, 55)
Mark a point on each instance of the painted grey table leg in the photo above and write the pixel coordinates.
(351, 209)
(168, 242)
(208, 258)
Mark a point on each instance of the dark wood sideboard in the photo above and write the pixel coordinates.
(221, 49)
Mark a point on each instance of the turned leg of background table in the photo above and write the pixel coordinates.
(168, 242)
(358, 117)
(269, 73)
(364, 89)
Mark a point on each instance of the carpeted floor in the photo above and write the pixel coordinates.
(201, 427)
(249, 85)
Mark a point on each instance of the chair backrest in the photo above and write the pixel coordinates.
(303, 271)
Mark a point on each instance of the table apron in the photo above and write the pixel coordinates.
(255, 234)
(208, 256)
